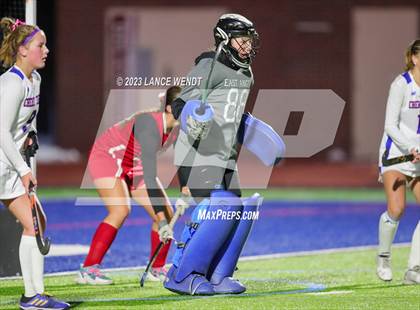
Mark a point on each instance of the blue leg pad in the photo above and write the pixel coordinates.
(224, 264)
(188, 276)
(189, 230)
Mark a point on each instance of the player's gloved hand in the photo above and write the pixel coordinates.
(196, 119)
(165, 231)
(182, 204)
(185, 191)
(31, 144)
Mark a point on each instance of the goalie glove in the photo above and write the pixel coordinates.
(261, 139)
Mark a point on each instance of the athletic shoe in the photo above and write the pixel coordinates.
(159, 273)
(412, 276)
(92, 275)
(150, 277)
(42, 301)
(383, 267)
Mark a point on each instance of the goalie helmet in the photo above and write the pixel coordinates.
(231, 26)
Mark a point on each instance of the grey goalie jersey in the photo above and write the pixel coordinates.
(227, 94)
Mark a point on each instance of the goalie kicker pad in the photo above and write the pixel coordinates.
(224, 264)
(195, 124)
(261, 139)
(187, 275)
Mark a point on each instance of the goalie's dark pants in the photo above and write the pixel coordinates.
(205, 262)
(202, 180)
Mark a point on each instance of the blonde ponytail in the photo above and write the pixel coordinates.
(15, 34)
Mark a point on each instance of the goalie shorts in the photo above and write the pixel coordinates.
(102, 165)
(10, 183)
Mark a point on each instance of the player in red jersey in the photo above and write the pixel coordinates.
(122, 164)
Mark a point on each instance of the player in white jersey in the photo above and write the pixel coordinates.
(401, 140)
(26, 105)
(24, 50)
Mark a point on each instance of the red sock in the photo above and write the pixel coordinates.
(101, 241)
(161, 258)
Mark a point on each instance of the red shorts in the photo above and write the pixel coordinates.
(103, 164)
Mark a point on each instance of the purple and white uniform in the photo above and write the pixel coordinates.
(402, 124)
(19, 104)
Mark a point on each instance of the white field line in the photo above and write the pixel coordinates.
(330, 293)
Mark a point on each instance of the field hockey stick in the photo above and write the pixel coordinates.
(201, 110)
(36, 208)
(178, 212)
(386, 162)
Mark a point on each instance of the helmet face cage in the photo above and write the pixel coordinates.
(254, 40)
(235, 26)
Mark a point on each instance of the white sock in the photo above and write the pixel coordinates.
(37, 270)
(25, 258)
(414, 259)
(387, 229)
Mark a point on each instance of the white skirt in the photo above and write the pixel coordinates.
(10, 183)
(408, 168)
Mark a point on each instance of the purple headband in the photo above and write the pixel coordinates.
(30, 36)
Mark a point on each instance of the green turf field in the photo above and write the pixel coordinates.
(342, 280)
